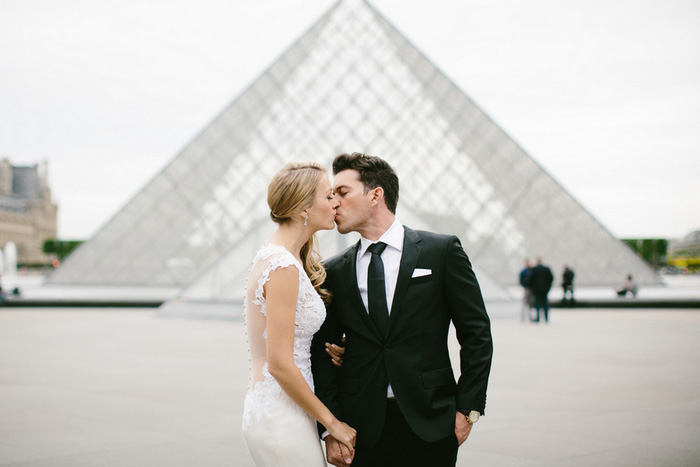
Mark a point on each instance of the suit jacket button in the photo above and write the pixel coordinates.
(386, 347)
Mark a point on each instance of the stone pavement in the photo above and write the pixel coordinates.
(129, 388)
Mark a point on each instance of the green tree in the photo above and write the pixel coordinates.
(652, 250)
(61, 248)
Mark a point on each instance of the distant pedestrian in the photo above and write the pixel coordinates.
(541, 279)
(528, 298)
(629, 286)
(567, 284)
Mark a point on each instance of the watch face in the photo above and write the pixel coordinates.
(474, 416)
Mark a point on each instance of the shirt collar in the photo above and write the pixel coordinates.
(393, 237)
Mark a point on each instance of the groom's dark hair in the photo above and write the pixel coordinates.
(374, 173)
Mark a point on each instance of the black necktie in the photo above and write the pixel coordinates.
(376, 290)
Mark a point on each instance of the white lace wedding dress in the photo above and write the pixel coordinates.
(276, 430)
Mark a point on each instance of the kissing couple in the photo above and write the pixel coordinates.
(354, 350)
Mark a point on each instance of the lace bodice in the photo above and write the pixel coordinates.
(309, 316)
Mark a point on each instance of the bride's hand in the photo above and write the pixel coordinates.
(345, 434)
(336, 352)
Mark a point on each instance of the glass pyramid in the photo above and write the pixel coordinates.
(351, 83)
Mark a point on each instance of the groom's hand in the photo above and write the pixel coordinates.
(462, 428)
(337, 453)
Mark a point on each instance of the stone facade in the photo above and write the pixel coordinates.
(27, 213)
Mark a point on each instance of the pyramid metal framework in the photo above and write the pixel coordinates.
(351, 83)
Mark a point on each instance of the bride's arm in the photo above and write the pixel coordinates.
(281, 293)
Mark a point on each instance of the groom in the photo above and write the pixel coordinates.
(394, 295)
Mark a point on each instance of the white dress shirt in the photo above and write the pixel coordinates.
(391, 257)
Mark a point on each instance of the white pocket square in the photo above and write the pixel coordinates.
(418, 272)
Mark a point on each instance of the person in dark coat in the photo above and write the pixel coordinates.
(541, 279)
(394, 294)
(528, 299)
(567, 283)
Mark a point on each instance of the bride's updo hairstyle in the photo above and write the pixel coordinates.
(292, 190)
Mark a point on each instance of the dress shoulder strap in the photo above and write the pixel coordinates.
(276, 257)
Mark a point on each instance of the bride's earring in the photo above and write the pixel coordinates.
(306, 219)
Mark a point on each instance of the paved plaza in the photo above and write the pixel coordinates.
(101, 387)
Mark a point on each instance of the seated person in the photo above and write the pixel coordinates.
(629, 286)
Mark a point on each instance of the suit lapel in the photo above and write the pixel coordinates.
(409, 259)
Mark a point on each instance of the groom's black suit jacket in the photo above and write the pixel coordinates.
(413, 355)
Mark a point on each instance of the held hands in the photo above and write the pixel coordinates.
(337, 453)
(344, 434)
(462, 428)
(340, 443)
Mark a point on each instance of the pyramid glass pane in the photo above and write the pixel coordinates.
(351, 83)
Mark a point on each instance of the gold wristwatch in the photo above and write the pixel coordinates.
(473, 417)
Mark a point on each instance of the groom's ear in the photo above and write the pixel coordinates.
(377, 196)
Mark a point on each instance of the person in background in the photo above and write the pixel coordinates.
(567, 284)
(528, 299)
(541, 280)
(629, 286)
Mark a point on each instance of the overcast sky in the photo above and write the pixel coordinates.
(604, 94)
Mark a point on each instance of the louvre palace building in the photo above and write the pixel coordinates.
(27, 213)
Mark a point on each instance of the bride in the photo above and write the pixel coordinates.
(284, 307)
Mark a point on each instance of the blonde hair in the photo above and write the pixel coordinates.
(292, 190)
